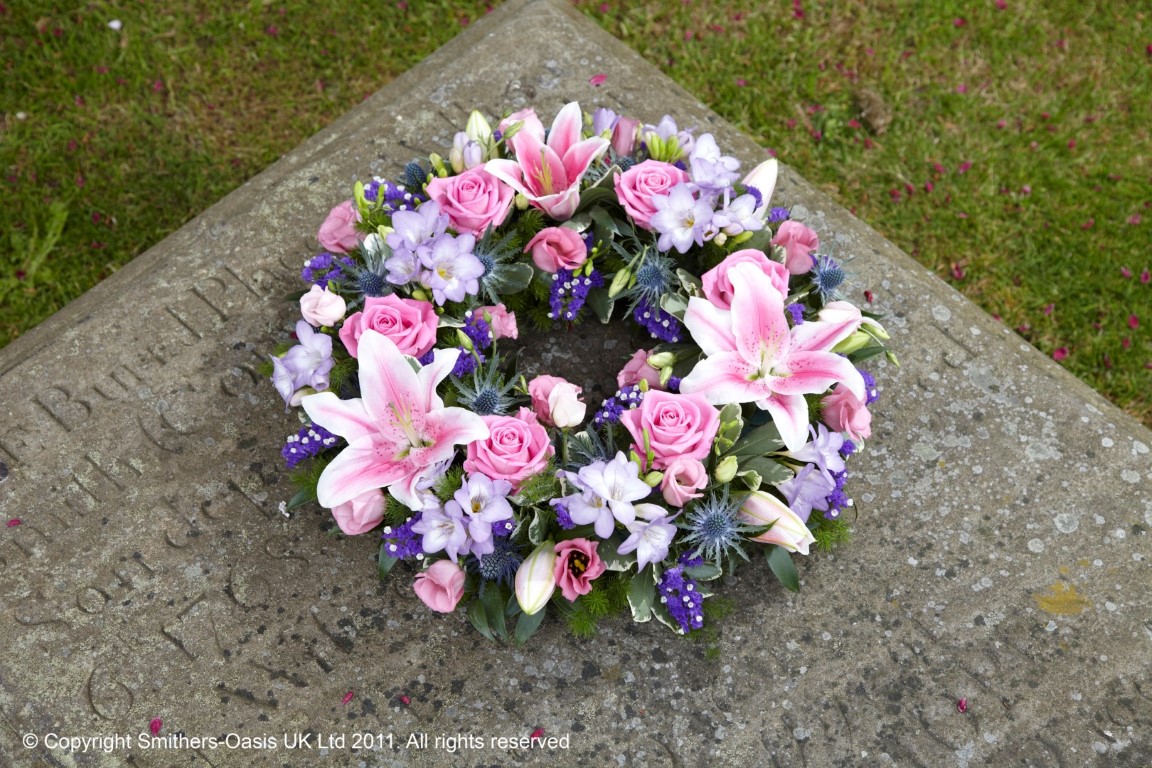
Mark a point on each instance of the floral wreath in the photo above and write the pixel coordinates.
(729, 435)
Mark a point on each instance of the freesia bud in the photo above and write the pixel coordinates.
(456, 154)
(473, 155)
(619, 282)
(726, 469)
(438, 165)
(536, 578)
(787, 531)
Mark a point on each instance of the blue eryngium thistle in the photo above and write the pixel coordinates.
(485, 392)
(714, 528)
(499, 565)
(655, 276)
(496, 256)
(827, 276)
(368, 280)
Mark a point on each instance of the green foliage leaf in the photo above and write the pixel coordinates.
(613, 560)
(705, 572)
(601, 304)
(770, 472)
(301, 498)
(758, 442)
(513, 278)
(780, 561)
(478, 615)
(527, 625)
(642, 594)
(493, 598)
(731, 425)
(384, 562)
(691, 284)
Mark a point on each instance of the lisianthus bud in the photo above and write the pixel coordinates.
(536, 578)
(726, 469)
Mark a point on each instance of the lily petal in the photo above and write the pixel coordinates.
(710, 326)
(790, 415)
(367, 463)
(346, 418)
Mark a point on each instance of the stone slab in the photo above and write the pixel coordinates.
(1001, 551)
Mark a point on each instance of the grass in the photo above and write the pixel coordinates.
(1007, 149)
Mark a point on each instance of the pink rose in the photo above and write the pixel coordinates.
(338, 232)
(682, 477)
(557, 248)
(636, 187)
(409, 323)
(516, 448)
(577, 566)
(678, 426)
(361, 514)
(798, 241)
(441, 586)
(637, 370)
(500, 320)
(556, 401)
(844, 412)
(322, 307)
(473, 201)
(718, 286)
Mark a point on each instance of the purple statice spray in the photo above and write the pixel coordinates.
(324, 268)
(681, 596)
(613, 408)
(401, 542)
(660, 324)
(569, 292)
(309, 441)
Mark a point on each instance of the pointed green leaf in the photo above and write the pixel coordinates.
(770, 472)
(512, 278)
(674, 304)
(613, 560)
(385, 562)
(780, 561)
(479, 618)
(301, 498)
(705, 572)
(538, 528)
(758, 442)
(493, 600)
(601, 304)
(527, 625)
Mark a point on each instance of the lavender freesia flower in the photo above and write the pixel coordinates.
(737, 216)
(711, 171)
(607, 492)
(652, 534)
(808, 490)
(603, 120)
(680, 219)
(305, 365)
(453, 271)
(443, 529)
(823, 449)
(484, 502)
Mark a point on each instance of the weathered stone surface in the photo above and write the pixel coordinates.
(1001, 552)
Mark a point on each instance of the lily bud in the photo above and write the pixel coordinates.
(536, 578)
(478, 128)
(787, 531)
(856, 341)
(726, 469)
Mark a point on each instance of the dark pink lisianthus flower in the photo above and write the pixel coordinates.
(798, 241)
(577, 566)
(338, 232)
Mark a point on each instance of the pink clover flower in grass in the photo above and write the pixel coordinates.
(548, 171)
(398, 432)
(752, 355)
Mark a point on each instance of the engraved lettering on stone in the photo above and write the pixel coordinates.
(115, 473)
(123, 378)
(164, 433)
(248, 589)
(183, 323)
(35, 610)
(109, 698)
(175, 630)
(59, 404)
(92, 600)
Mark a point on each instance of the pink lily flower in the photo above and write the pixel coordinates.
(398, 433)
(549, 173)
(753, 356)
